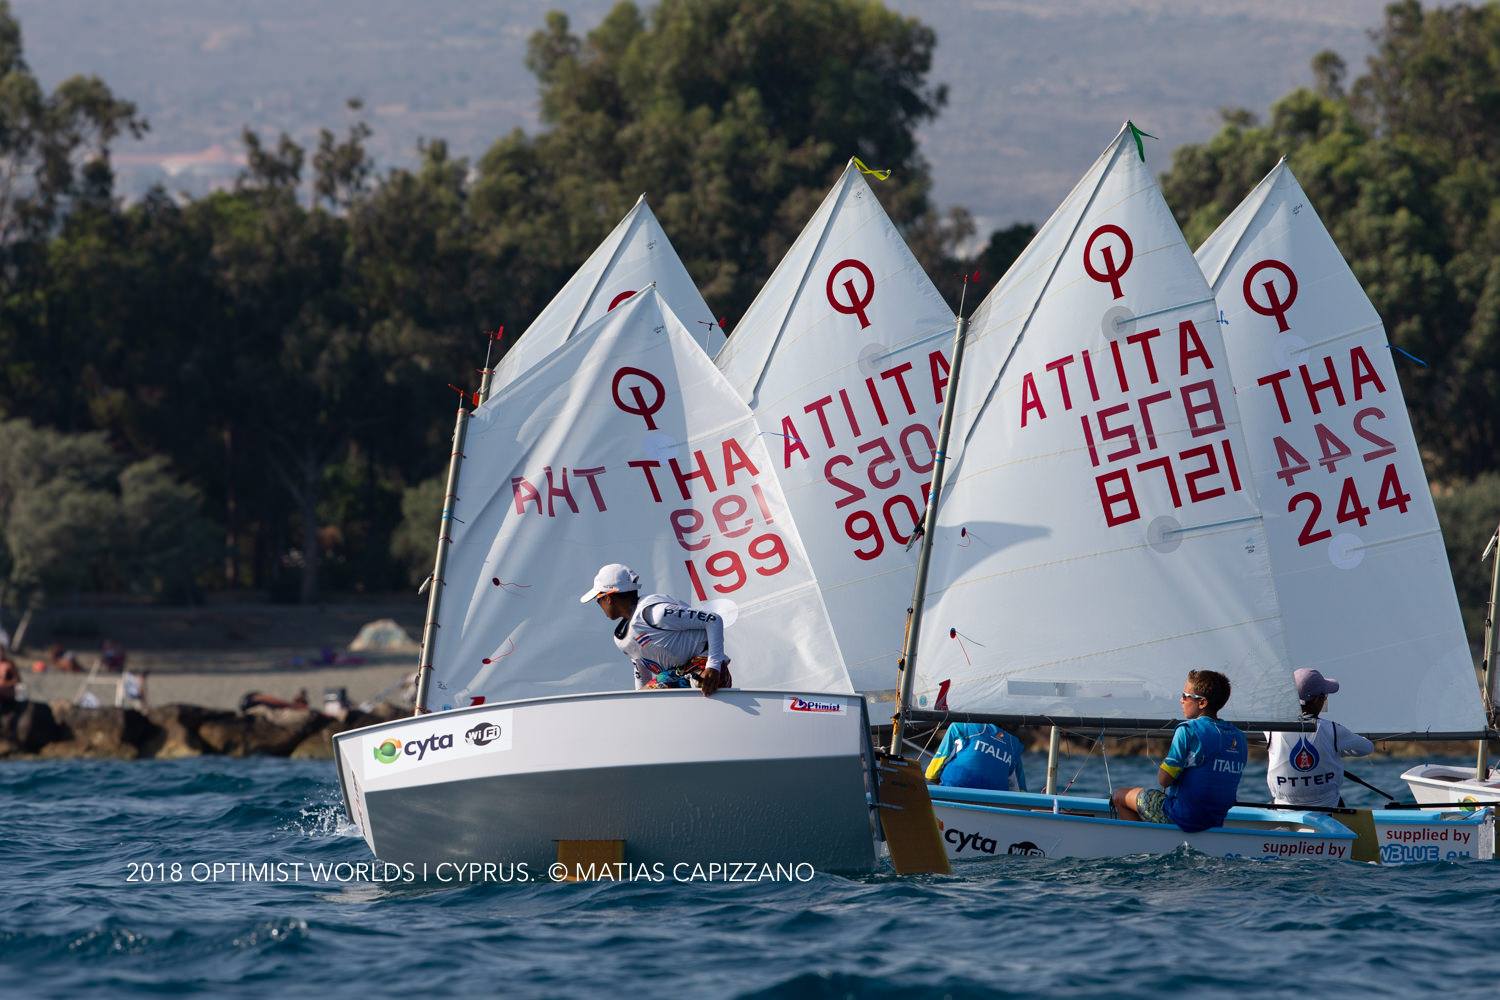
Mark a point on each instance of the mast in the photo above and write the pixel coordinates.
(487, 373)
(440, 563)
(1487, 667)
(1053, 739)
(905, 672)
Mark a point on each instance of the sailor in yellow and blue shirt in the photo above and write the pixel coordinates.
(978, 755)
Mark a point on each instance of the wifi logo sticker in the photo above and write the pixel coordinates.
(388, 751)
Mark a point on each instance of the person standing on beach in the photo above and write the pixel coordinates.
(685, 644)
(10, 677)
(1306, 768)
(1200, 775)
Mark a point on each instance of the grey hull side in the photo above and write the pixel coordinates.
(790, 811)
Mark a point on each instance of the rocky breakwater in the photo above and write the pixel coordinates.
(40, 731)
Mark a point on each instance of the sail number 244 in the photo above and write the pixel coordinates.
(1334, 451)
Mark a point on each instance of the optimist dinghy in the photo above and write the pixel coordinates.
(1357, 554)
(1098, 533)
(624, 444)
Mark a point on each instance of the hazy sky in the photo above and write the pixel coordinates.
(1036, 88)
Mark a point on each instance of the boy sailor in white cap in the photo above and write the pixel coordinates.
(1304, 768)
(667, 640)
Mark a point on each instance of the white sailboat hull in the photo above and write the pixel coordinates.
(978, 823)
(744, 776)
(1444, 783)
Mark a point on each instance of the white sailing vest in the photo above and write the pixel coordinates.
(1305, 769)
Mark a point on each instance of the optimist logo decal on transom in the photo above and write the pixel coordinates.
(812, 706)
(418, 745)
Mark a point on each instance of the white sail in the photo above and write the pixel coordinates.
(1097, 537)
(636, 254)
(1363, 579)
(843, 357)
(624, 445)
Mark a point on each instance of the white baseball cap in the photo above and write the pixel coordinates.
(612, 579)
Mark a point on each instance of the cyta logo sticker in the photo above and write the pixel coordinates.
(391, 749)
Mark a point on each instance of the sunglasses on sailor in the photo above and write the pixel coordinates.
(1188, 695)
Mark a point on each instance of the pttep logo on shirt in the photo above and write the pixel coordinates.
(812, 706)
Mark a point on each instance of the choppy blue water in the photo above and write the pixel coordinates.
(71, 925)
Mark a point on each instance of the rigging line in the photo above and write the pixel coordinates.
(1338, 337)
(1041, 293)
(1077, 772)
(946, 331)
(925, 748)
(1158, 312)
(1104, 756)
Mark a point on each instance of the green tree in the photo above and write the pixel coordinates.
(168, 543)
(421, 514)
(1401, 167)
(58, 516)
(54, 160)
(285, 345)
(73, 516)
(734, 116)
(1469, 515)
(54, 148)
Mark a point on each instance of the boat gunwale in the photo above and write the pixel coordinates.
(1317, 830)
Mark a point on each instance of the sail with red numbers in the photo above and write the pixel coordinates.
(1357, 555)
(843, 357)
(636, 254)
(1098, 534)
(624, 445)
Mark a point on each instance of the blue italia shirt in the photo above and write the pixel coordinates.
(1206, 757)
(978, 755)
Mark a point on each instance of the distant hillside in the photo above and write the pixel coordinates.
(1036, 87)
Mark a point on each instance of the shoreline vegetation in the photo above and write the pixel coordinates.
(352, 294)
(38, 730)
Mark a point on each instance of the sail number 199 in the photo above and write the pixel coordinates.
(733, 516)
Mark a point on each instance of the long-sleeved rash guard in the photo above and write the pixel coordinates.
(663, 638)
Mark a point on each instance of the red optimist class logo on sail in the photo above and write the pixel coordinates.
(812, 706)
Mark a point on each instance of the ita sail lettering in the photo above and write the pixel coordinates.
(844, 357)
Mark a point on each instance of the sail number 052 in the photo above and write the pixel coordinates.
(899, 512)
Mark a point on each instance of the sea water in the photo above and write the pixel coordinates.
(90, 906)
